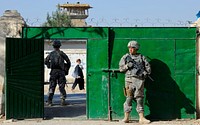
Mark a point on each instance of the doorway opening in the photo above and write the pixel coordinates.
(76, 99)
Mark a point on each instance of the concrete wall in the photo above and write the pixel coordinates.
(2, 59)
(2, 69)
(10, 26)
(197, 24)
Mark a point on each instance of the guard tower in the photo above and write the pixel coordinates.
(77, 13)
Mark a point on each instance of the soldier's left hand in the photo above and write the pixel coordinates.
(144, 74)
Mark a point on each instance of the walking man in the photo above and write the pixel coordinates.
(78, 75)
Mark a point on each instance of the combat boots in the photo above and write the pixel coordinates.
(126, 117)
(63, 102)
(142, 119)
(49, 102)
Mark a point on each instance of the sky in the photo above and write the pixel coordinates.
(111, 12)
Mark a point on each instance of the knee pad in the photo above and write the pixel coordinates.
(140, 105)
(129, 100)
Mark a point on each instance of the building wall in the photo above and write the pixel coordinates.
(78, 22)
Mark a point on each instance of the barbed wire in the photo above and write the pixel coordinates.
(33, 22)
(125, 22)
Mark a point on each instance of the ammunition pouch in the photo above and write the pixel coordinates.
(127, 92)
(124, 90)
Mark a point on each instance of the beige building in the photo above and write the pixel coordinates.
(77, 12)
(196, 23)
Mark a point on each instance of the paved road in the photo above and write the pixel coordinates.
(75, 110)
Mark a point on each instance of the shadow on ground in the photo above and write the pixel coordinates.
(76, 109)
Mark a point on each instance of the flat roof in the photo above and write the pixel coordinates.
(77, 5)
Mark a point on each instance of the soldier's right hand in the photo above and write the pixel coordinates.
(130, 65)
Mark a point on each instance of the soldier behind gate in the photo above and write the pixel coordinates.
(55, 61)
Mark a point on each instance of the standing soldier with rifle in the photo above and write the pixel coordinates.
(55, 61)
(136, 69)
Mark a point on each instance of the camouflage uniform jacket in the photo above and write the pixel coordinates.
(51, 56)
(139, 59)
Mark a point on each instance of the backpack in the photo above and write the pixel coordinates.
(56, 60)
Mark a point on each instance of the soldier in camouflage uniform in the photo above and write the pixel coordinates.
(57, 74)
(136, 69)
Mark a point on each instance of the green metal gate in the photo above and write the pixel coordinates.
(171, 52)
(97, 87)
(172, 55)
(97, 61)
(24, 78)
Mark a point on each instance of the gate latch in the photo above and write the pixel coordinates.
(112, 71)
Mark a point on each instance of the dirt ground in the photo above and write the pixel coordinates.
(69, 115)
(93, 122)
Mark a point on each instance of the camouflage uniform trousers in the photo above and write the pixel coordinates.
(57, 77)
(134, 90)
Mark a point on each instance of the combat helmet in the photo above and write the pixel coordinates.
(134, 44)
(56, 44)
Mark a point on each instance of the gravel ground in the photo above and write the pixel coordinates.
(93, 122)
(69, 115)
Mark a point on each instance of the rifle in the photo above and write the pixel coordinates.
(139, 67)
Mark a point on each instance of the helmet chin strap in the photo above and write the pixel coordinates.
(133, 53)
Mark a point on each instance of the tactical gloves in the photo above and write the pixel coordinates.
(130, 65)
(142, 75)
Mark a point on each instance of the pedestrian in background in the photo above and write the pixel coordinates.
(136, 69)
(78, 75)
